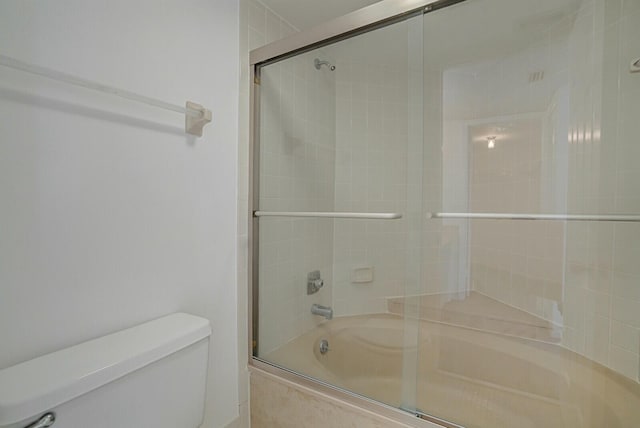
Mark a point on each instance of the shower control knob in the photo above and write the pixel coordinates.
(314, 282)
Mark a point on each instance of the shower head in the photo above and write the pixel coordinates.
(319, 63)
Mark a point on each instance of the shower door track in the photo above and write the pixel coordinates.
(373, 17)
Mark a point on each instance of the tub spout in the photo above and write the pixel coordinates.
(324, 311)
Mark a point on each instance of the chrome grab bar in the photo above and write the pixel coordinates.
(45, 421)
(516, 216)
(329, 214)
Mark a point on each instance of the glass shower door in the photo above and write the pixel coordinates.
(531, 315)
(339, 213)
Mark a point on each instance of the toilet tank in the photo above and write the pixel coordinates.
(151, 375)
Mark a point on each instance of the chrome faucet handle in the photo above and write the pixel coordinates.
(45, 421)
(314, 282)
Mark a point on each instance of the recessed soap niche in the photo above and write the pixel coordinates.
(362, 275)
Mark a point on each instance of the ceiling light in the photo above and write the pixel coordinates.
(491, 142)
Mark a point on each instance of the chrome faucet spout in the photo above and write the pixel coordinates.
(324, 311)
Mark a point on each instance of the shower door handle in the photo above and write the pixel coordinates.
(329, 214)
(521, 216)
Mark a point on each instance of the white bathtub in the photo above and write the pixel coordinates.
(470, 377)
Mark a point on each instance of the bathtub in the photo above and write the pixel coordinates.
(467, 376)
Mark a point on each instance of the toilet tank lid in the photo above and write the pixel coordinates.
(32, 387)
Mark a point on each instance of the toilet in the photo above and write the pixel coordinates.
(151, 375)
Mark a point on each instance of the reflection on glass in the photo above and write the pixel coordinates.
(531, 322)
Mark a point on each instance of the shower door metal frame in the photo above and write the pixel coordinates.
(378, 15)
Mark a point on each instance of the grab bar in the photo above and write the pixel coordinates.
(515, 216)
(196, 115)
(327, 214)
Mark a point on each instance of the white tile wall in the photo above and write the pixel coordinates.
(518, 263)
(378, 167)
(583, 276)
(297, 158)
(603, 259)
(371, 176)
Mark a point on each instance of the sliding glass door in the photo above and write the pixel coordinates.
(532, 192)
(339, 212)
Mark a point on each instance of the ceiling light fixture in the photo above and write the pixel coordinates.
(491, 142)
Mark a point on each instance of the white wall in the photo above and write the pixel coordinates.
(109, 214)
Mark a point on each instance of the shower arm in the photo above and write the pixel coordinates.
(318, 63)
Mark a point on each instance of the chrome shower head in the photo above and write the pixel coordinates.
(319, 63)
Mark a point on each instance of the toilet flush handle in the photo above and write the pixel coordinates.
(45, 421)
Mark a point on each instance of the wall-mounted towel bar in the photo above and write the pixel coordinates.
(329, 214)
(516, 216)
(196, 116)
